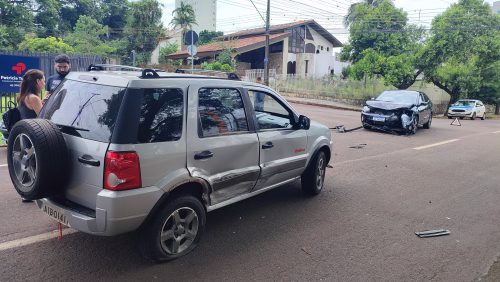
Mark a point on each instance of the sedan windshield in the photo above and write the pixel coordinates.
(403, 97)
(464, 103)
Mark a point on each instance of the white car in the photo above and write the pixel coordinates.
(467, 108)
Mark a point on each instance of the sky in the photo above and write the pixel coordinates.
(234, 15)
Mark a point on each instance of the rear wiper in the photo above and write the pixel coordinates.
(63, 126)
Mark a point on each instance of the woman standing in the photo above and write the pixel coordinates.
(28, 99)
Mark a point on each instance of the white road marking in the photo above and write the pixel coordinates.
(496, 132)
(435, 144)
(2, 165)
(34, 239)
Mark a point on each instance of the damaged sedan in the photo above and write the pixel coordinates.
(400, 111)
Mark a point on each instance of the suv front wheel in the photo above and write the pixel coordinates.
(174, 231)
(313, 178)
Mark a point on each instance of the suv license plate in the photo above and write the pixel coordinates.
(55, 213)
(378, 118)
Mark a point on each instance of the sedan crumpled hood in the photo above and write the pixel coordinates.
(387, 105)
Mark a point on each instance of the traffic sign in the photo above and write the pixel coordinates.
(190, 38)
(192, 50)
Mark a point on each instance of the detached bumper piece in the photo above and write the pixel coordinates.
(432, 233)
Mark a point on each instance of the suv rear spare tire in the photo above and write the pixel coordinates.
(37, 157)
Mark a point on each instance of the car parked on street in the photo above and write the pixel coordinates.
(467, 108)
(149, 151)
(398, 110)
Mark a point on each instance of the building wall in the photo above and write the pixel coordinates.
(496, 7)
(205, 13)
(276, 62)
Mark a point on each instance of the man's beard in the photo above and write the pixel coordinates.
(62, 73)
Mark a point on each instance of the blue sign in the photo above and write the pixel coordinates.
(12, 69)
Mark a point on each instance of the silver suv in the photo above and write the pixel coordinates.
(118, 151)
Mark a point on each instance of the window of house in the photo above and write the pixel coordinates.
(220, 112)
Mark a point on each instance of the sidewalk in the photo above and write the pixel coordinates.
(321, 103)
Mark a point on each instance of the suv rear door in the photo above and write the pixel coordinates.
(86, 114)
(283, 149)
(222, 145)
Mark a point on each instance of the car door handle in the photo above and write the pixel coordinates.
(267, 145)
(86, 159)
(203, 155)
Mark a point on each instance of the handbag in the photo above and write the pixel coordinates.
(11, 116)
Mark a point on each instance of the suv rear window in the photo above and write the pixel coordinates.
(87, 110)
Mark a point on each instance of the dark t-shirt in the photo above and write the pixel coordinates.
(53, 81)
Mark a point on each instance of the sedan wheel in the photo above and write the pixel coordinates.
(473, 117)
(484, 116)
(428, 124)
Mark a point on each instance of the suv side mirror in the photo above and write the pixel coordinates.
(303, 123)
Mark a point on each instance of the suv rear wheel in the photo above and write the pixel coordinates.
(174, 231)
(313, 178)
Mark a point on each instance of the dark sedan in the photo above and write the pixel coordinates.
(398, 110)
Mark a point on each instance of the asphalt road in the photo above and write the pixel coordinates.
(360, 228)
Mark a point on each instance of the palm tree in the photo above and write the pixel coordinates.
(184, 18)
(351, 13)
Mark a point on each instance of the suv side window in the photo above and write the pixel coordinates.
(269, 113)
(161, 116)
(221, 112)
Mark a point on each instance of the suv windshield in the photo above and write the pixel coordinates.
(84, 109)
(403, 97)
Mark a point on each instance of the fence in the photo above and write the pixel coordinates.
(351, 92)
(79, 62)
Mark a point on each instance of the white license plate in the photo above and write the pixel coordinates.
(378, 118)
(55, 213)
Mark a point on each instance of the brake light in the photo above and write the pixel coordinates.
(122, 171)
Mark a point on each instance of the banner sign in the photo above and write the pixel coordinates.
(12, 69)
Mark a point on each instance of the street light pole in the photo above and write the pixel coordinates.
(266, 59)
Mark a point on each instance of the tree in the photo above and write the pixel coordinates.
(144, 28)
(86, 38)
(47, 17)
(184, 18)
(382, 44)
(461, 56)
(16, 20)
(116, 13)
(206, 36)
(71, 10)
(167, 50)
(351, 12)
(49, 44)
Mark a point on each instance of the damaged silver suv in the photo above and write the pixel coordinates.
(149, 151)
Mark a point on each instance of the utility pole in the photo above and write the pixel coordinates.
(266, 59)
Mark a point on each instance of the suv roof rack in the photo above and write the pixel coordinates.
(101, 67)
(146, 73)
(228, 75)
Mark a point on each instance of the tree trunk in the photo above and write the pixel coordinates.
(497, 109)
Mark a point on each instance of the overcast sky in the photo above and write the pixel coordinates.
(234, 15)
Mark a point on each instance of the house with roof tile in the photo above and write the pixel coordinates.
(302, 48)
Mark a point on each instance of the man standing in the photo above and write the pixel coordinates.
(62, 66)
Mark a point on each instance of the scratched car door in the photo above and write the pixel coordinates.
(282, 147)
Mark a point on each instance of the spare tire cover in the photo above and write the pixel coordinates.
(37, 157)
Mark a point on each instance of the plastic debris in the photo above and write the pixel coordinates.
(358, 146)
(432, 233)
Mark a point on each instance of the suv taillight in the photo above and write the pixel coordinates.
(122, 171)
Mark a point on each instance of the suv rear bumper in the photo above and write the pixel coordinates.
(116, 212)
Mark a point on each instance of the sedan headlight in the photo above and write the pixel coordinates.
(366, 109)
